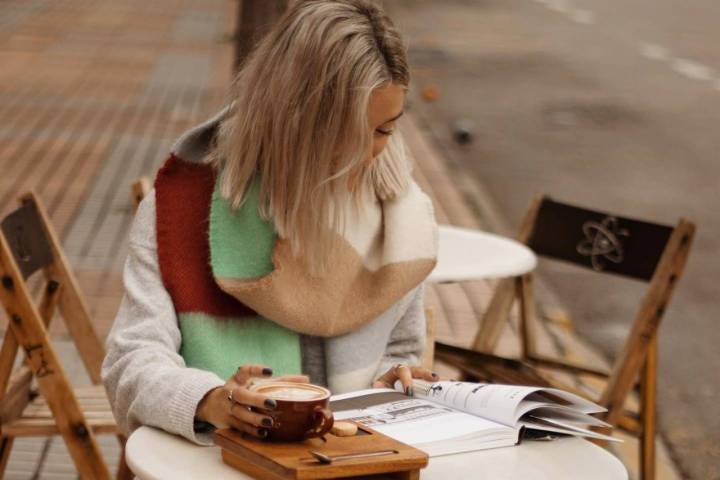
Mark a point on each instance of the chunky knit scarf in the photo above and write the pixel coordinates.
(242, 297)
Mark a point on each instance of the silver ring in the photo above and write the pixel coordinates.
(230, 396)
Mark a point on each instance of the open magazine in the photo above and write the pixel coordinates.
(451, 417)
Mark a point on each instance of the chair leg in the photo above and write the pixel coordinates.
(123, 470)
(496, 316)
(6, 444)
(528, 317)
(647, 404)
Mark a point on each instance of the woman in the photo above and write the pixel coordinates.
(283, 236)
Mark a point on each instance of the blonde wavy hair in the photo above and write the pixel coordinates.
(299, 120)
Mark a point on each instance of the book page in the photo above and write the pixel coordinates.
(503, 404)
(420, 422)
(493, 402)
(566, 415)
(565, 429)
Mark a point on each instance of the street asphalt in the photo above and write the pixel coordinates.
(612, 105)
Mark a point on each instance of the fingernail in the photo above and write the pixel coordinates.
(267, 371)
(270, 403)
(409, 391)
(435, 375)
(267, 422)
(262, 433)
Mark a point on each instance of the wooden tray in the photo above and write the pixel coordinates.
(281, 461)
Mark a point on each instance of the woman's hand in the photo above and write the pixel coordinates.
(229, 405)
(405, 374)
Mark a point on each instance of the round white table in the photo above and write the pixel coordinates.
(465, 254)
(155, 454)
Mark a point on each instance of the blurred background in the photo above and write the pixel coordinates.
(613, 105)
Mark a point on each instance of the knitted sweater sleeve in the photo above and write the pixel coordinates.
(407, 339)
(146, 378)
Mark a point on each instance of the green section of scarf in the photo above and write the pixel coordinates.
(241, 245)
(221, 345)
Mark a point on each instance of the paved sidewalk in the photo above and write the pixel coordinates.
(92, 93)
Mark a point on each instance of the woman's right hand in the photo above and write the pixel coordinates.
(229, 405)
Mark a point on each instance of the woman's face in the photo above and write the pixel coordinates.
(386, 106)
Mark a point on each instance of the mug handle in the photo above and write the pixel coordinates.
(323, 422)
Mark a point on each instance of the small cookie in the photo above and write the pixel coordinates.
(344, 429)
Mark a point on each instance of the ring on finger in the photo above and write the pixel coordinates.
(230, 396)
(397, 367)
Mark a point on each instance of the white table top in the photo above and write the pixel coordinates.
(466, 254)
(155, 454)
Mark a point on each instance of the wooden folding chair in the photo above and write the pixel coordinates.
(28, 244)
(603, 243)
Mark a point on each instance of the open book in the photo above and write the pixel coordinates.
(452, 417)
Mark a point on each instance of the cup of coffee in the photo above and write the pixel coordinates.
(302, 410)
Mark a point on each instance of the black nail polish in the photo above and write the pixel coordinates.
(409, 391)
(270, 403)
(267, 371)
(267, 422)
(262, 433)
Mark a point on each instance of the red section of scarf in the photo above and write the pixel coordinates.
(183, 193)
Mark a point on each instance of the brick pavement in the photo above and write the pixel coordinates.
(91, 95)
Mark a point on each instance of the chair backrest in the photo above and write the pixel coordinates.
(598, 240)
(26, 238)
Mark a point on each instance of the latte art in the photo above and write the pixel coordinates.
(289, 393)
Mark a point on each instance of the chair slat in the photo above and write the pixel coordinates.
(91, 391)
(47, 427)
(37, 419)
(47, 413)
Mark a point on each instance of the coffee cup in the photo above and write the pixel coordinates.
(302, 410)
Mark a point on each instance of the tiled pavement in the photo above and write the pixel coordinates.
(92, 92)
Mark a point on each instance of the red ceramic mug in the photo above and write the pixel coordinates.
(302, 410)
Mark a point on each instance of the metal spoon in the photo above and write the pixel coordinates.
(328, 459)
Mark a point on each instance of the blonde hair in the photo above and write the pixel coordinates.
(300, 121)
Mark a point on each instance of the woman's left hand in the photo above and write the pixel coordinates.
(405, 374)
